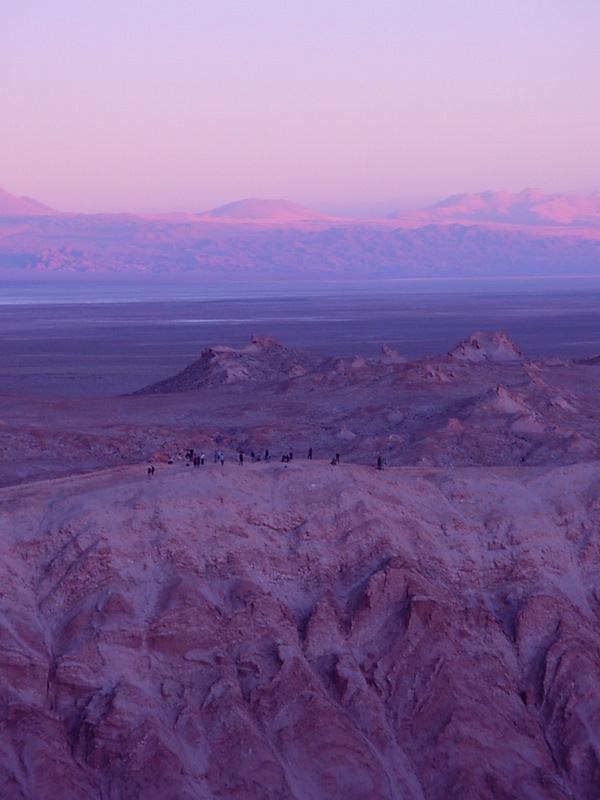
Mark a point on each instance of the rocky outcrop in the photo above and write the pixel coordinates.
(262, 359)
(487, 347)
(440, 411)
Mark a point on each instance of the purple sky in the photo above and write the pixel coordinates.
(342, 105)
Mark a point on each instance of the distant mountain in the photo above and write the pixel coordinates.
(531, 207)
(485, 235)
(12, 206)
(257, 210)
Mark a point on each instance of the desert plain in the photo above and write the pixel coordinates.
(303, 629)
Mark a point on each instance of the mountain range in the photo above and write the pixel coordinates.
(527, 208)
(487, 234)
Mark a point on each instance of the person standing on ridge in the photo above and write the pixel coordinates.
(310, 453)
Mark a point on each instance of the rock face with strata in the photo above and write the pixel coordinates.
(303, 630)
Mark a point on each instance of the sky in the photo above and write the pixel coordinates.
(344, 106)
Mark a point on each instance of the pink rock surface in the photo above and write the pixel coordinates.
(302, 630)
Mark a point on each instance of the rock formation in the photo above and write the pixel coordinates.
(262, 359)
(305, 630)
(487, 347)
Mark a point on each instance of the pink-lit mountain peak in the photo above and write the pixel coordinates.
(530, 207)
(12, 206)
(256, 210)
(496, 202)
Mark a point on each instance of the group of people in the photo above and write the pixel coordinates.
(253, 456)
(219, 457)
(198, 459)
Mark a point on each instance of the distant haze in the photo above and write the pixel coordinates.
(489, 234)
(343, 107)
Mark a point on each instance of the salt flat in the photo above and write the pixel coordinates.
(90, 349)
